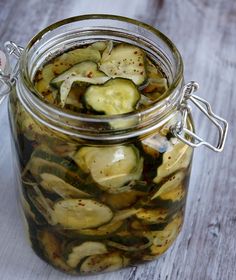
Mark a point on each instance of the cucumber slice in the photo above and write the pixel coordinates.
(56, 185)
(162, 239)
(107, 50)
(39, 166)
(100, 45)
(179, 157)
(121, 200)
(125, 61)
(28, 212)
(111, 167)
(102, 231)
(129, 243)
(103, 263)
(153, 216)
(41, 204)
(52, 249)
(42, 82)
(115, 224)
(84, 250)
(80, 213)
(157, 83)
(117, 96)
(67, 163)
(140, 225)
(86, 72)
(172, 184)
(59, 65)
(70, 58)
(36, 131)
(45, 162)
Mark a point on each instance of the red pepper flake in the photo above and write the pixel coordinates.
(90, 74)
(55, 255)
(81, 204)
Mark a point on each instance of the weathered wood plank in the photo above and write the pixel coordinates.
(205, 33)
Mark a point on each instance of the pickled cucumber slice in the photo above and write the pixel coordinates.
(35, 131)
(70, 58)
(52, 249)
(153, 216)
(80, 213)
(157, 84)
(117, 96)
(111, 167)
(121, 200)
(86, 72)
(115, 224)
(100, 45)
(103, 263)
(179, 157)
(173, 182)
(56, 185)
(59, 65)
(125, 61)
(162, 239)
(77, 253)
(39, 166)
(102, 231)
(42, 83)
(41, 205)
(129, 243)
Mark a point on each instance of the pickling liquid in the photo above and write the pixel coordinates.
(91, 208)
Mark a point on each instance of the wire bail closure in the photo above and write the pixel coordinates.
(190, 138)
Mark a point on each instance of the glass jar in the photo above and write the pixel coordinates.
(96, 198)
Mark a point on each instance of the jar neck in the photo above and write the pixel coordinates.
(74, 32)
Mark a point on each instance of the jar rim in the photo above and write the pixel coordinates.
(46, 108)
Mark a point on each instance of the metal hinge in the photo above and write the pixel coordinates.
(189, 137)
(7, 80)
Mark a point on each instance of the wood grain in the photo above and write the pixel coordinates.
(205, 33)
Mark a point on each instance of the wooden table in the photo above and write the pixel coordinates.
(205, 33)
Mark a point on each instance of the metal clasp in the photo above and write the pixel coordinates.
(9, 79)
(190, 138)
